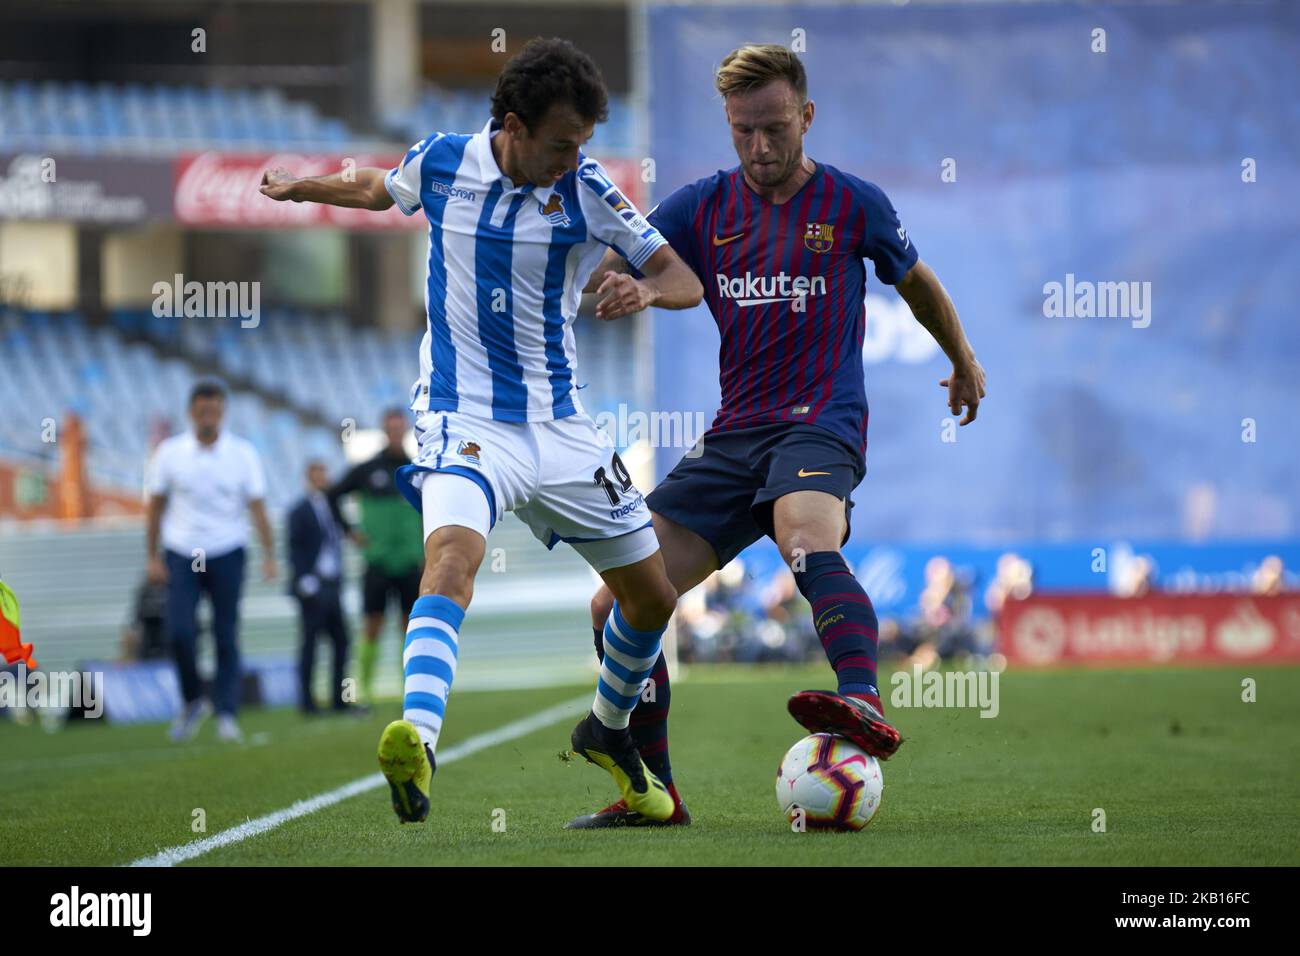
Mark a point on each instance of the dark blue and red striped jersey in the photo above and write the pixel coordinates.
(786, 285)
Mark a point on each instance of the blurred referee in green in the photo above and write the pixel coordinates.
(392, 536)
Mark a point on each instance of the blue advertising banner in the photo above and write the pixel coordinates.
(895, 575)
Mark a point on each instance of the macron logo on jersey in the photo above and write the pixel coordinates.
(452, 192)
(750, 289)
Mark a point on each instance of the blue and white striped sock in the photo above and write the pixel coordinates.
(429, 663)
(629, 658)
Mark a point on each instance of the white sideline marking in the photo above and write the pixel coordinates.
(466, 748)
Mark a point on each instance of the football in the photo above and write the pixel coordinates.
(827, 783)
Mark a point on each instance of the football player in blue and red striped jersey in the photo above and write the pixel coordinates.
(779, 243)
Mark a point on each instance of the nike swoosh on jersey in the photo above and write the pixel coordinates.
(721, 241)
(809, 474)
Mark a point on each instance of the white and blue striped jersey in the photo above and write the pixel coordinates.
(507, 264)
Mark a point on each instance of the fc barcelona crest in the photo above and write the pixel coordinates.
(819, 237)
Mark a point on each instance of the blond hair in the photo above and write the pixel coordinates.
(757, 64)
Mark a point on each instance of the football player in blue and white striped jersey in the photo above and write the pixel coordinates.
(518, 220)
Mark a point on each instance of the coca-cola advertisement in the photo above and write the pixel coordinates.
(1056, 629)
(220, 190)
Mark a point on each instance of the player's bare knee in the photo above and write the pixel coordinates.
(650, 608)
(793, 547)
(796, 544)
(665, 601)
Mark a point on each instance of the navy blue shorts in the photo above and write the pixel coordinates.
(726, 494)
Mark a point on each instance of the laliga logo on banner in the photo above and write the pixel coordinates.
(1041, 636)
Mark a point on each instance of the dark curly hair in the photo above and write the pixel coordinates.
(545, 72)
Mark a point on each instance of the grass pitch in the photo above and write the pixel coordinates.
(1185, 772)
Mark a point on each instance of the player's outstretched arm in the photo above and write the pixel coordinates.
(360, 189)
(669, 283)
(930, 304)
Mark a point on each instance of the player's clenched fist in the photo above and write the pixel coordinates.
(277, 184)
(621, 295)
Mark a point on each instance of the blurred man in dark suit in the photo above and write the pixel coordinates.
(316, 534)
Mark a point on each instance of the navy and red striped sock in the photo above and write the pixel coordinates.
(845, 622)
(649, 721)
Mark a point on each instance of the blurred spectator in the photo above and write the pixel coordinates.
(203, 484)
(144, 635)
(784, 605)
(782, 629)
(897, 640)
(1136, 577)
(1268, 577)
(733, 617)
(716, 625)
(1014, 579)
(316, 563)
(943, 628)
(947, 607)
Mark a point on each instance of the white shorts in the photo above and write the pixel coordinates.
(563, 478)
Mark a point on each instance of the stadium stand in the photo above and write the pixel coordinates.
(466, 111)
(52, 363)
(158, 120)
(442, 109)
(290, 354)
(294, 351)
(295, 381)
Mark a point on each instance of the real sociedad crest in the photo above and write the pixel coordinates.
(554, 212)
(819, 237)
